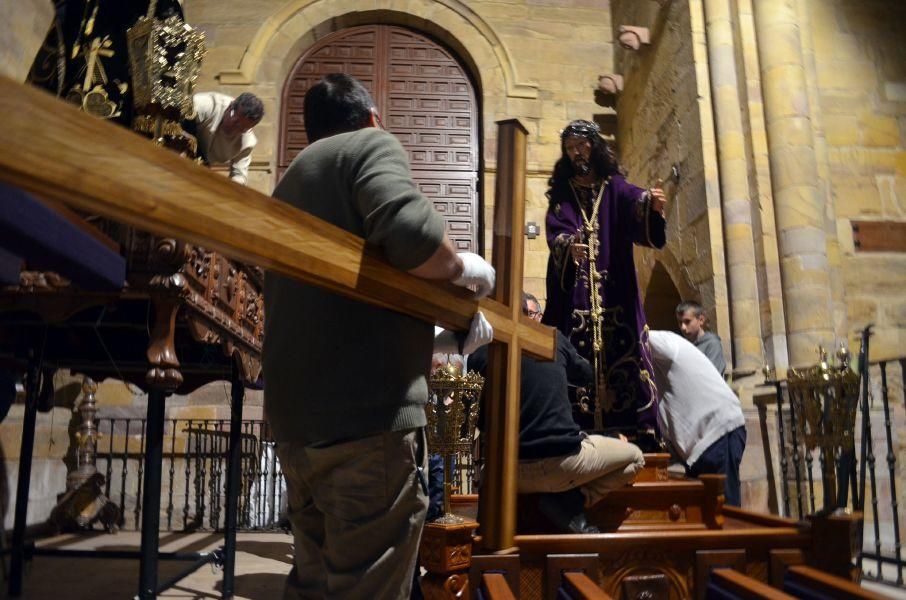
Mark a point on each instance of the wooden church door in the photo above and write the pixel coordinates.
(426, 100)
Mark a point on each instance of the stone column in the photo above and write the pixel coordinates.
(798, 205)
(735, 192)
(834, 252)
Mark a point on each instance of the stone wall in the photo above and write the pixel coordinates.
(860, 94)
(535, 61)
(664, 118)
(860, 78)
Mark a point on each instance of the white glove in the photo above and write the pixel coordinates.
(476, 272)
(480, 334)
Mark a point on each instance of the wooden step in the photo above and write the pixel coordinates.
(655, 501)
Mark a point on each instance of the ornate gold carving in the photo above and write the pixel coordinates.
(440, 587)
(165, 57)
(160, 130)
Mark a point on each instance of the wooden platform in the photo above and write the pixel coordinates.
(662, 536)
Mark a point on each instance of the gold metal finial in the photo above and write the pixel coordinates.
(89, 386)
(843, 356)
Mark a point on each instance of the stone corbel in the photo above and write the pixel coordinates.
(610, 84)
(633, 38)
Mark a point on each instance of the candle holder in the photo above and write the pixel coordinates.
(452, 413)
(824, 398)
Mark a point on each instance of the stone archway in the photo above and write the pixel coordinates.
(300, 23)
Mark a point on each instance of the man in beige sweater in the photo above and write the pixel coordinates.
(223, 126)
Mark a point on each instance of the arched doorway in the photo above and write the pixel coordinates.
(426, 99)
(661, 298)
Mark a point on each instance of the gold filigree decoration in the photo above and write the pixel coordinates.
(165, 56)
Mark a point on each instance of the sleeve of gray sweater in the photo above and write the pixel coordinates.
(711, 347)
(397, 217)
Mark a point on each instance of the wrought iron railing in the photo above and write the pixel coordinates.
(855, 479)
(193, 484)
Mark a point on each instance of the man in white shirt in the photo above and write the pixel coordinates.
(224, 130)
(699, 413)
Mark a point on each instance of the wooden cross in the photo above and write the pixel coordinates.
(64, 155)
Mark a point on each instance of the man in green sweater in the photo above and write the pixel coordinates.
(346, 383)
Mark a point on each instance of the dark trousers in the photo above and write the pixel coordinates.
(723, 458)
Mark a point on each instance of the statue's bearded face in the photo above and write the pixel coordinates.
(578, 151)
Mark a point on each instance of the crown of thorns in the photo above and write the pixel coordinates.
(580, 128)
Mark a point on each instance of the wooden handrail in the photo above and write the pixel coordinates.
(754, 537)
(837, 587)
(495, 587)
(745, 587)
(579, 586)
(756, 518)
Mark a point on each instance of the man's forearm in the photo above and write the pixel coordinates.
(443, 264)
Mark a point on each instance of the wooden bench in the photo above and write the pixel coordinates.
(800, 582)
(727, 584)
(807, 582)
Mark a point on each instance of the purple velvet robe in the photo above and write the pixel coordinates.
(625, 219)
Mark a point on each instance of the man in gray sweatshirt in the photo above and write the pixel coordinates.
(690, 317)
(346, 382)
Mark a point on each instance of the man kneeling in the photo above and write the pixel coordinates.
(555, 455)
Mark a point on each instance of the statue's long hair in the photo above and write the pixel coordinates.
(603, 161)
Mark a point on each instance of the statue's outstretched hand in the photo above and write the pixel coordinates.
(658, 198)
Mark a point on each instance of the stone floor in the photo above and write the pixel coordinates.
(262, 562)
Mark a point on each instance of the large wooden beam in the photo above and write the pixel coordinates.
(61, 154)
(502, 394)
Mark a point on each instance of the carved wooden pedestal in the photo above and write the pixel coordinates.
(446, 553)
